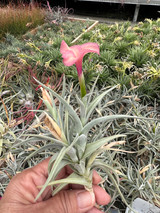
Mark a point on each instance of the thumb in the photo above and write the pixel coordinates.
(74, 201)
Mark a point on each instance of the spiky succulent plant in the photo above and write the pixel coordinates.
(69, 127)
(71, 130)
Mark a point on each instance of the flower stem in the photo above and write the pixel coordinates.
(82, 85)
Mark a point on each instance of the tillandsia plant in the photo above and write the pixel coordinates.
(57, 15)
(69, 127)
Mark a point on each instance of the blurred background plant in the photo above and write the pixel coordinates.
(129, 54)
(17, 19)
(57, 14)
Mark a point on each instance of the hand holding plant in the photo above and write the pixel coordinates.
(24, 188)
(70, 129)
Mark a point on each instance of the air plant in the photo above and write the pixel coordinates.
(70, 129)
(57, 15)
(72, 132)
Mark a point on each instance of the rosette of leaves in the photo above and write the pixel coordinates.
(70, 130)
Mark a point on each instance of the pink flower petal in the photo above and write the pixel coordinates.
(90, 47)
(78, 51)
(69, 58)
(74, 54)
(64, 47)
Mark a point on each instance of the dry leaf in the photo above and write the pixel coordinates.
(53, 127)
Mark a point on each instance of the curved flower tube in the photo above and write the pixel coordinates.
(74, 55)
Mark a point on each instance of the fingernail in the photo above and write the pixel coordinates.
(85, 199)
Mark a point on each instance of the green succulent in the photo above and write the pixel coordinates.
(138, 56)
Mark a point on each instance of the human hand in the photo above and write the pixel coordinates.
(22, 190)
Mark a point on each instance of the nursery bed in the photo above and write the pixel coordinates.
(129, 58)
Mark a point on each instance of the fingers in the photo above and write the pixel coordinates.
(42, 168)
(101, 196)
(96, 178)
(73, 201)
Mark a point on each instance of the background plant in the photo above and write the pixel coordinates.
(129, 54)
(57, 14)
(17, 20)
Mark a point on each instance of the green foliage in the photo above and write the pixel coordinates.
(130, 36)
(108, 58)
(139, 56)
(122, 48)
(125, 50)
